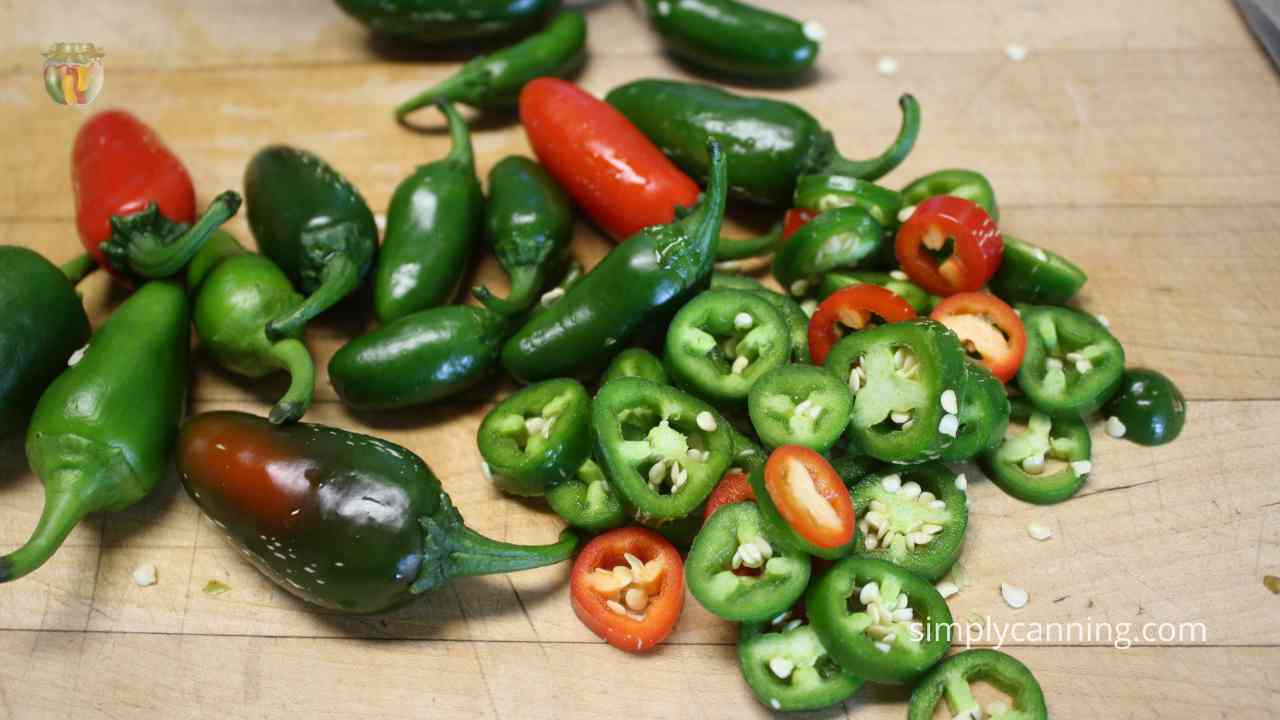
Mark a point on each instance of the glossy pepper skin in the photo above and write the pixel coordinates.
(43, 323)
(493, 82)
(538, 437)
(529, 224)
(769, 144)
(1150, 407)
(101, 436)
(236, 293)
(432, 224)
(344, 521)
(420, 358)
(735, 38)
(311, 222)
(1030, 274)
(840, 239)
(650, 272)
(440, 22)
(967, 184)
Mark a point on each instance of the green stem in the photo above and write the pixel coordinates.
(449, 89)
(293, 356)
(340, 277)
(526, 282)
(749, 247)
(461, 152)
(879, 166)
(155, 260)
(62, 512)
(78, 268)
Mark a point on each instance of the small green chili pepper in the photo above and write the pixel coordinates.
(736, 38)
(800, 405)
(914, 517)
(967, 184)
(788, 668)
(1148, 406)
(450, 21)
(741, 572)
(537, 437)
(722, 341)
(1073, 365)
(895, 282)
(529, 225)
(1042, 459)
(951, 678)
(312, 223)
(1030, 274)
(432, 223)
(636, 362)
(493, 82)
(587, 500)
(840, 239)
(101, 436)
(768, 143)
(821, 193)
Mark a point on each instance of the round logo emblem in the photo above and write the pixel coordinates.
(73, 73)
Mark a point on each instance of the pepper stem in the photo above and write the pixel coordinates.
(879, 166)
(79, 268)
(525, 284)
(292, 355)
(339, 277)
(451, 88)
(749, 247)
(62, 512)
(461, 152)
(151, 255)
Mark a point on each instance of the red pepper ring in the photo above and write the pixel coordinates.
(627, 586)
(732, 488)
(977, 245)
(855, 307)
(988, 328)
(795, 219)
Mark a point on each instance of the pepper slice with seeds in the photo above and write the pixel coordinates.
(983, 413)
(1073, 364)
(627, 586)
(950, 681)
(787, 667)
(537, 437)
(722, 341)
(663, 450)
(879, 621)
(804, 501)
(844, 238)
(1030, 274)
(636, 362)
(741, 571)
(1043, 460)
(800, 405)
(914, 517)
(587, 500)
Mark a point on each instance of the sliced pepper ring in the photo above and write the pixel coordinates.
(846, 237)
(787, 667)
(914, 517)
(722, 341)
(821, 193)
(797, 323)
(1030, 274)
(856, 307)
(988, 328)
(627, 586)
(537, 437)
(1045, 463)
(740, 571)
(805, 501)
(951, 679)
(800, 405)
(636, 362)
(732, 488)
(959, 183)
(1073, 365)
(984, 415)
(587, 500)
(895, 282)
(949, 245)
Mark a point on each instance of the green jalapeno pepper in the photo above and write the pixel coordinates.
(529, 225)
(788, 668)
(432, 222)
(800, 405)
(234, 300)
(636, 362)
(741, 572)
(101, 435)
(984, 414)
(537, 437)
(311, 222)
(420, 358)
(914, 517)
(967, 184)
(1147, 409)
(1030, 274)
(879, 621)
(735, 38)
(450, 21)
(573, 274)
(821, 193)
(1073, 365)
(650, 273)
(664, 450)
(768, 143)
(951, 678)
(895, 282)
(722, 341)
(899, 374)
(840, 239)
(42, 324)
(365, 528)
(1042, 459)
(587, 501)
(493, 82)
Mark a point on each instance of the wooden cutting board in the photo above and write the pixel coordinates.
(1140, 139)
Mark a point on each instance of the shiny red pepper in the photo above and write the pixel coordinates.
(949, 245)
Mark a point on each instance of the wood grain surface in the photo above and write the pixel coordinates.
(1140, 139)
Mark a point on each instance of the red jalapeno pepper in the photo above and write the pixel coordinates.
(988, 329)
(949, 245)
(856, 307)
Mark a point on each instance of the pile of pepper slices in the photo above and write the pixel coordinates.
(792, 445)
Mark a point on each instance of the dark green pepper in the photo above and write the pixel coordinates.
(1042, 459)
(821, 193)
(951, 679)
(312, 223)
(787, 667)
(529, 225)
(538, 437)
(722, 341)
(419, 358)
(450, 21)
(739, 571)
(493, 82)
(967, 184)
(800, 405)
(840, 239)
(1147, 409)
(636, 362)
(914, 517)
(587, 500)
(42, 324)
(1030, 274)
(769, 144)
(650, 273)
(983, 412)
(735, 38)
(101, 436)
(1073, 365)
(432, 221)
(895, 282)
(234, 301)
(365, 528)
(797, 323)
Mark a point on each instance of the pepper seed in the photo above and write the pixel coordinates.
(1115, 428)
(743, 321)
(949, 402)
(706, 421)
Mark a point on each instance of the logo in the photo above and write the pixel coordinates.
(73, 73)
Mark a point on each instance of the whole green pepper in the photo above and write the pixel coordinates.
(651, 272)
(419, 358)
(431, 225)
(42, 324)
(493, 82)
(768, 143)
(450, 21)
(365, 528)
(529, 225)
(312, 223)
(736, 38)
(102, 433)
(234, 300)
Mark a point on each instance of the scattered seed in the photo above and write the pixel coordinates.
(792, 625)
(658, 472)
(636, 599)
(855, 379)
(1052, 363)
(900, 417)
(144, 575)
(870, 593)
(1103, 321)
(898, 275)
(783, 617)
(949, 402)
(1083, 366)
(946, 588)
(803, 407)
(551, 296)
(1017, 53)
(887, 65)
(997, 708)
(905, 213)
(1034, 464)
(1015, 597)
(1039, 532)
(743, 321)
(1081, 468)
(76, 357)
(949, 425)
(1115, 428)
(815, 411)
(799, 287)
(910, 490)
(809, 307)
(615, 607)
(962, 483)
(706, 421)
(775, 704)
(814, 31)
(739, 364)
(883, 647)
(937, 504)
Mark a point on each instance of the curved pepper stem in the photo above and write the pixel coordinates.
(459, 135)
(452, 550)
(749, 247)
(340, 276)
(62, 512)
(151, 245)
(293, 356)
(79, 268)
(458, 85)
(526, 284)
(879, 166)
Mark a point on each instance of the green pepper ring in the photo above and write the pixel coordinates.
(709, 571)
(1003, 671)
(1003, 463)
(932, 559)
(706, 336)
(800, 405)
(815, 681)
